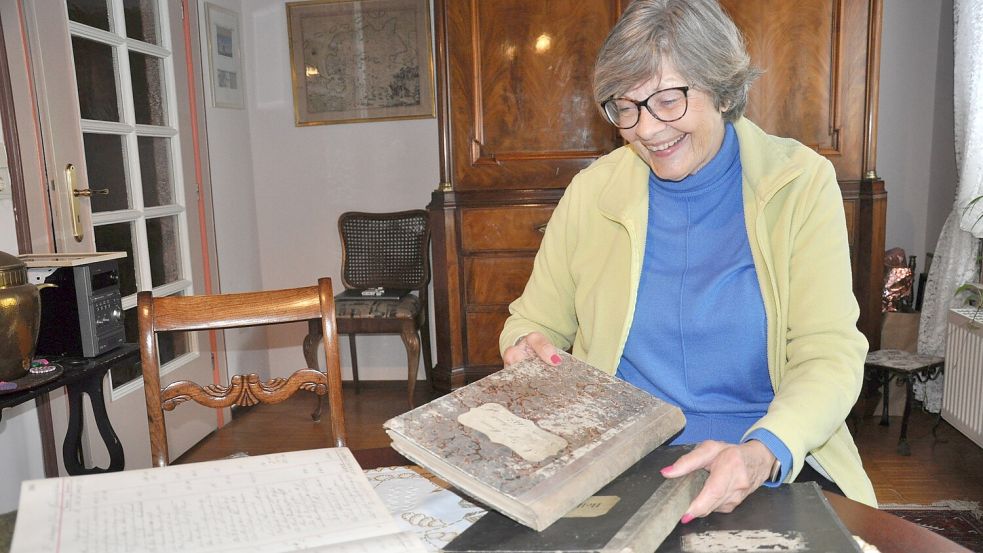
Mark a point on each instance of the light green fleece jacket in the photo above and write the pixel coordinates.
(584, 283)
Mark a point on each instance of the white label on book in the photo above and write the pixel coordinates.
(727, 541)
(522, 436)
(595, 506)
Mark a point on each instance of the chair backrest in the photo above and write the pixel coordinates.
(391, 250)
(214, 312)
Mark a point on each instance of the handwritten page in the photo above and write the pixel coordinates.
(304, 501)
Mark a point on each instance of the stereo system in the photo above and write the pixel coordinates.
(82, 313)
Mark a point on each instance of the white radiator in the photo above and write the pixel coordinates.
(962, 396)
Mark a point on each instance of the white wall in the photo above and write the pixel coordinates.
(915, 143)
(236, 233)
(305, 177)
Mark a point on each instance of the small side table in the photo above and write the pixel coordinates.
(81, 376)
(890, 364)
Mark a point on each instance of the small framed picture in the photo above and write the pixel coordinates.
(224, 57)
(360, 60)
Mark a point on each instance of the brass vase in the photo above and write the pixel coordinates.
(20, 315)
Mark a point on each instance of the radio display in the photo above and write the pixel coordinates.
(104, 280)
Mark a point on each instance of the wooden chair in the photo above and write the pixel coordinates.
(389, 251)
(191, 313)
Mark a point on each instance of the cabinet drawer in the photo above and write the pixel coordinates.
(496, 280)
(503, 228)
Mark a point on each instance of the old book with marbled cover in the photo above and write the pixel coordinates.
(533, 441)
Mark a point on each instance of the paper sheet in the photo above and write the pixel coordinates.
(310, 501)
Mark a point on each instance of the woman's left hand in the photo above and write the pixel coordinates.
(735, 472)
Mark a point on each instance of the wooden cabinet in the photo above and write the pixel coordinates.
(517, 122)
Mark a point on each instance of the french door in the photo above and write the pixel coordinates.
(114, 110)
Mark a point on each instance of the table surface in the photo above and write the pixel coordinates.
(887, 532)
(890, 534)
(76, 369)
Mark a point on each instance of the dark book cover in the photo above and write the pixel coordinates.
(791, 517)
(634, 512)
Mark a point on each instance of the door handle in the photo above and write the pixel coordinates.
(88, 192)
(73, 201)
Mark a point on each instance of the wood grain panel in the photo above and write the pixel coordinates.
(797, 95)
(815, 81)
(484, 327)
(503, 228)
(522, 113)
(496, 280)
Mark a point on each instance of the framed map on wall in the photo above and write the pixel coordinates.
(360, 60)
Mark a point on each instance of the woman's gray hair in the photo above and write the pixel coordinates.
(696, 36)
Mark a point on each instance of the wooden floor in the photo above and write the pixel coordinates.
(947, 468)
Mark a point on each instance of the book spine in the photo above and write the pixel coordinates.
(557, 496)
(657, 517)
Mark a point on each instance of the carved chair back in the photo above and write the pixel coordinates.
(215, 312)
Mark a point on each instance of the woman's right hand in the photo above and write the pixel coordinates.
(533, 344)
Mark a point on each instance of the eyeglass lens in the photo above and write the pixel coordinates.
(665, 105)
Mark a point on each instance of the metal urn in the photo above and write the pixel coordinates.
(20, 315)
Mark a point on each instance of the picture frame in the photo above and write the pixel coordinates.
(360, 60)
(224, 57)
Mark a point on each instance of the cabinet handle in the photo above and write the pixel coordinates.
(541, 228)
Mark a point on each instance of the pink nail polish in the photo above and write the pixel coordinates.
(686, 518)
(664, 470)
(555, 359)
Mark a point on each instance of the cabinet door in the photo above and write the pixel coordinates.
(521, 110)
(815, 82)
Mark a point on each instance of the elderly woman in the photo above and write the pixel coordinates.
(707, 263)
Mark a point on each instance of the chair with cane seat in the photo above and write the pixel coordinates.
(222, 311)
(386, 271)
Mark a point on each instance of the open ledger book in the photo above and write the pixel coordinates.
(312, 501)
(533, 441)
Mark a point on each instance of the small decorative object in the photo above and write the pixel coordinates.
(897, 282)
(20, 315)
(42, 366)
(360, 60)
(224, 58)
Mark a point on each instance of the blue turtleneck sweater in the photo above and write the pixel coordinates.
(699, 335)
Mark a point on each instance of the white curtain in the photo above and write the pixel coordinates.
(955, 254)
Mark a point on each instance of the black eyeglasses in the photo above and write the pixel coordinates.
(666, 105)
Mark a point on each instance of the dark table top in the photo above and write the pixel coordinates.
(75, 369)
(881, 529)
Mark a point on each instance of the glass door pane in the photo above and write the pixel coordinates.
(105, 162)
(95, 73)
(118, 237)
(155, 170)
(141, 20)
(163, 240)
(147, 75)
(94, 13)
